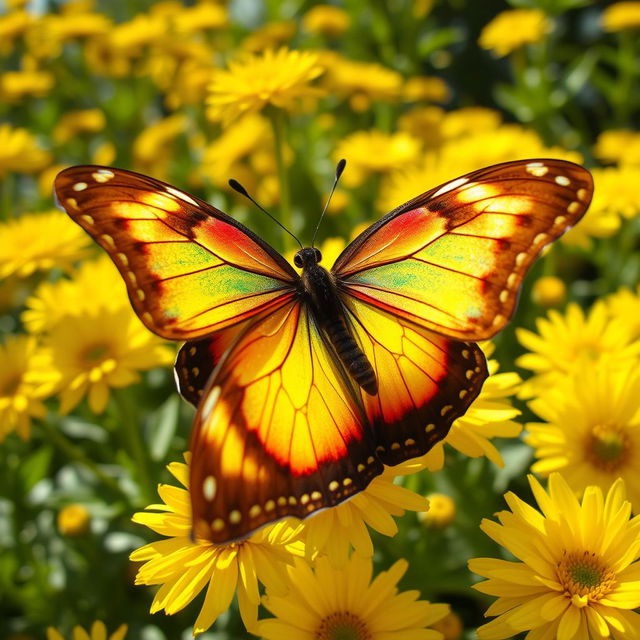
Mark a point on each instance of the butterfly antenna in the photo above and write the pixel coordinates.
(236, 186)
(339, 169)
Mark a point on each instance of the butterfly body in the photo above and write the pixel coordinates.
(307, 385)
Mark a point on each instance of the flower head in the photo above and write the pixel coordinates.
(184, 567)
(618, 145)
(73, 520)
(326, 20)
(81, 121)
(19, 152)
(512, 29)
(98, 632)
(20, 399)
(90, 353)
(624, 304)
(576, 568)
(549, 291)
(621, 15)
(571, 342)
(278, 78)
(40, 242)
(330, 603)
(15, 86)
(592, 429)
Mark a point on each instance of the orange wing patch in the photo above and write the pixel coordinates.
(189, 268)
(453, 259)
(280, 430)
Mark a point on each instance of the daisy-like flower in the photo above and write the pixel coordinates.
(577, 568)
(19, 152)
(513, 29)
(592, 429)
(278, 78)
(572, 342)
(20, 399)
(95, 286)
(621, 16)
(428, 88)
(270, 36)
(333, 532)
(184, 567)
(326, 20)
(375, 152)
(40, 242)
(489, 416)
(625, 305)
(12, 26)
(18, 85)
(98, 631)
(80, 121)
(90, 353)
(549, 291)
(613, 145)
(152, 149)
(330, 603)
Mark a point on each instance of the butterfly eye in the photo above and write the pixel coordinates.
(318, 255)
(297, 260)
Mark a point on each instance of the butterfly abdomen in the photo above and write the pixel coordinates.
(352, 357)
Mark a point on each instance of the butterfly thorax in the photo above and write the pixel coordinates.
(318, 288)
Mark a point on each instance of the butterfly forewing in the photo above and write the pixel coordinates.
(453, 259)
(190, 269)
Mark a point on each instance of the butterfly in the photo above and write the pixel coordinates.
(307, 384)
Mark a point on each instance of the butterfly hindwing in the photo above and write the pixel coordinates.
(280, 430)
(190, 269)
(453, 259)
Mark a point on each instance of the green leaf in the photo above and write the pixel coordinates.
(161, 427)
(35, 467)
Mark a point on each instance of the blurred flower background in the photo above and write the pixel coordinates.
(411, 93)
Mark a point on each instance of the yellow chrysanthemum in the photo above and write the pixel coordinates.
(205, 16)
(12, 26)
(451, 626)
(19, 152)
(152, 149)
(375, 152)
(20, 399)
(442, 512)
(81, 121)
(576, 573)
(331, 603)
(549, 291)
(625, 305)
(424, 124)
(427, 88)
(270, 36)
(572, 342)
(327, 20)
(592, 429)
(18, 85)
(40, 242)
(73, 520)
(92, 352)
(333, 532)
(618, 145)
(621, 16)
(512, 29)
(184, 567)
(278, 78)
(96, 285)
(98, 632)
(489, 416)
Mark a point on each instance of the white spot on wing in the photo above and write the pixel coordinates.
(209, 488)
(454, 184)
(181, 195)
(79, 186)
(209, 402)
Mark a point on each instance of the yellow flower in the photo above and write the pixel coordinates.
(549, 291)
(184, 567)
(131, 37)
(152, 149)
(361, 82)
(451, 626)
(592, 429)
(489, 416)
(512, 29)
(576, 571)
(573, 342)
(89, 353)
(19, 152)
(270, 36)
(625, 305)
(472, 120)
(73, 123)
(326, 20)
(619, 145)
(18, 85)
(424, 124)
(40, 242)
(73, 520)
(373, 151)
(427, 88)
(20, 399)
(205, 16)
(621, 16)
(278, 78)
(333, 532)
(12, 26)
(330, 603)
(104, 154)
(441, 513)
(98, 632)
(94, 286)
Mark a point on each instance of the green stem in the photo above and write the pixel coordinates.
(129, 428)
(6, 199)
(76, 454)
(278, 123)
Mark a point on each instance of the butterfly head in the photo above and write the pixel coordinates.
(306, 258)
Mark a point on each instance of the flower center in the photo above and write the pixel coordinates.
(584, 577)
(95, 352)
(10, 387)
(607, 447)
(342, 625)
